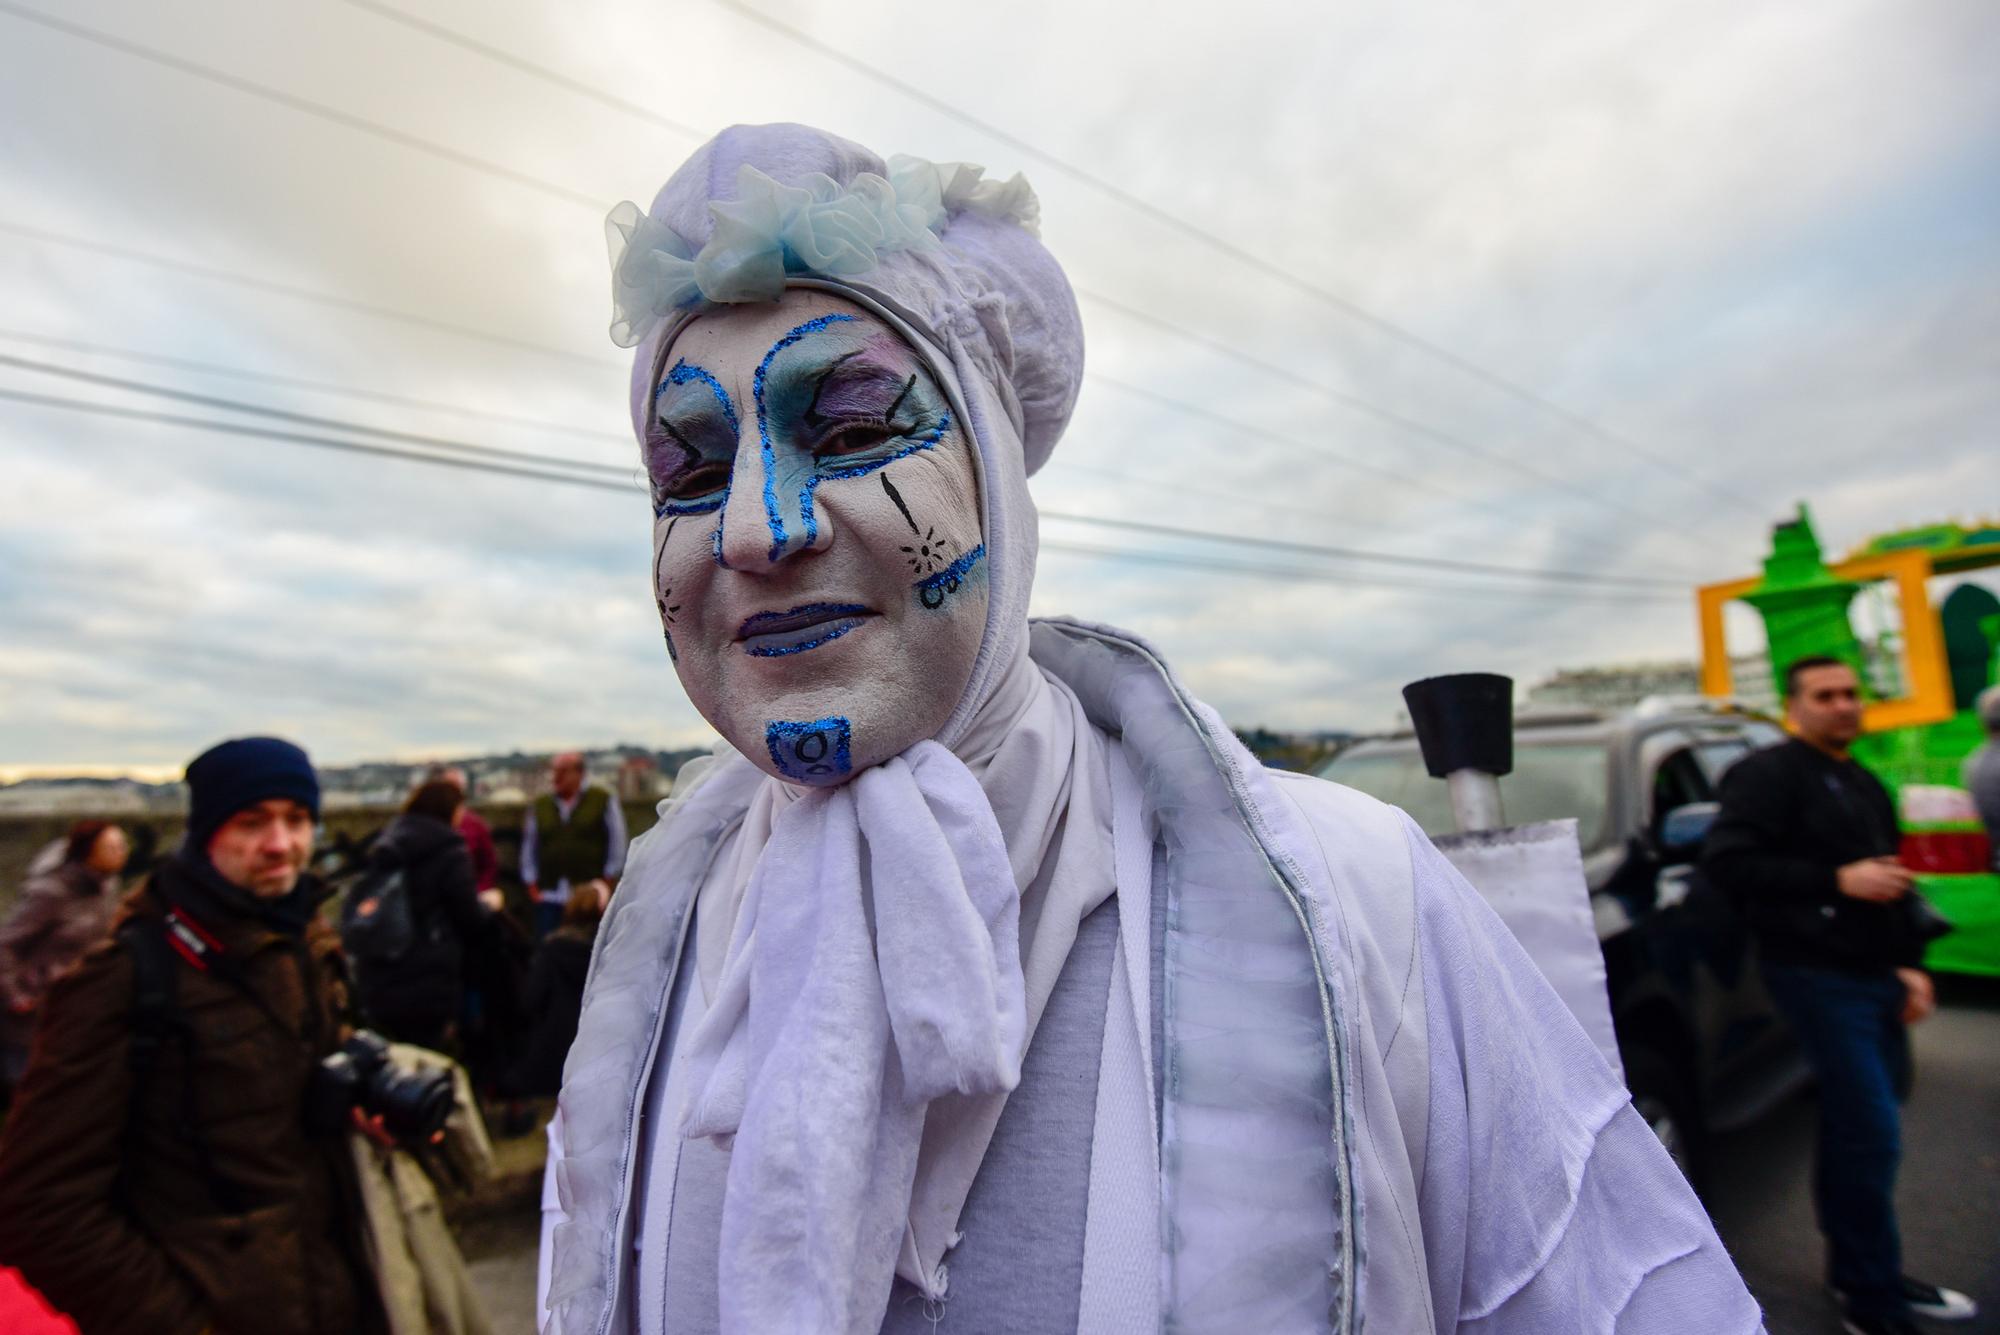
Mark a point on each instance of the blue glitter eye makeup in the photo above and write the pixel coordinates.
(833, 403)
(691, 449)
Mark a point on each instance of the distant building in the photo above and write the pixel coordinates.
(90, 797)
(1301, 751)
(1622, 686)
(639, 780)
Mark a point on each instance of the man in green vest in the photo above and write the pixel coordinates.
(571, 835)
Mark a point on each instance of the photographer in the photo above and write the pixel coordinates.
(157, 1174)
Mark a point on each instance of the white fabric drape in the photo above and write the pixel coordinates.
(890, 945)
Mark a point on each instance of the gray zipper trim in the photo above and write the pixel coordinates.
(619, 1229)
(1289, 879)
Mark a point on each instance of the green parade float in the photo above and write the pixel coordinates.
(1921, 680)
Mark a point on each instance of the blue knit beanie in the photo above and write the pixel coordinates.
(232, 775)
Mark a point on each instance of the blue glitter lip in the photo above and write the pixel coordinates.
(776, 634)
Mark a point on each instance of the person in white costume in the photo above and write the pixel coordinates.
(982, 981)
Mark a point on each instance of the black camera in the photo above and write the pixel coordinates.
(413, 1105)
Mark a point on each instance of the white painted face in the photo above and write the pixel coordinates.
(818, 558)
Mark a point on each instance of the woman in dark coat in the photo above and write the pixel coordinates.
(417, 996)
(554, 995)
(63, 910)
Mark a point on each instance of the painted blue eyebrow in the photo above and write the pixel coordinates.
(812, 326)
(685, 373)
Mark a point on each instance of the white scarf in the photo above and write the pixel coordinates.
(874, 1000)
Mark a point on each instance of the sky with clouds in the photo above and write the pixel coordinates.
(1558, 286)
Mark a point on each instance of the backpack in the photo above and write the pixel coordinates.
(378, 924)
(156, 1021)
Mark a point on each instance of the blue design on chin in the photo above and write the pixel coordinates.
(811, 752)
(934, 590)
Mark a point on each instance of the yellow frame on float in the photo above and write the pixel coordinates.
(1924, 667)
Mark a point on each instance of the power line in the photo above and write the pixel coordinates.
(1208, 488)
(1173, 221)
(305, 294)
(303, 105)
(476, 465)
(1356, 554)
(466, 331)
(452, 37)
(1288, 572)
(619, 438)
(464, 42)
(520, 463)
(454, 156)
(1304, 575)
(410, 141)
(1354, 403)
(311, 419)
(1409, 480)
(406, 140)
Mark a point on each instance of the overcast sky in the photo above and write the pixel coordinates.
(1608, 288)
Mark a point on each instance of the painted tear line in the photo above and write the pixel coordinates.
(934, 589)
(811, 516)
(807, 515)
(771, 516)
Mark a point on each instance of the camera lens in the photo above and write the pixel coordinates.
(413, 1104)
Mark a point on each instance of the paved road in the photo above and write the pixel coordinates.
(500, 1253)
(1760, 1194)
(1948, 1194)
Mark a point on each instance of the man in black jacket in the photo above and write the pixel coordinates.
(1806, 842)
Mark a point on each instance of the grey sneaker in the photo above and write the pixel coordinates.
(1938, 1304)
(1925, 1300)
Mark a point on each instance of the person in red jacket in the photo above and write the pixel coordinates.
(472, 828)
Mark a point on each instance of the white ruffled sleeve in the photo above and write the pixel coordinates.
(1547, 1203)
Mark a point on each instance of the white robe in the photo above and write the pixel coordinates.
(1505, 1180)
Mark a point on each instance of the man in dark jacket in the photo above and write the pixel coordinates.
(1806, 842)
(178, 1190)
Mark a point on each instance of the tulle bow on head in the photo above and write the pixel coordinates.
(771, 229)
(951, 254)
